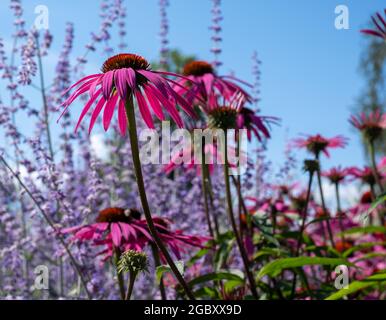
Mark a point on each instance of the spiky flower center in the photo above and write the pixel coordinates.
(118, 215)
(311, 165)
(372, 131)
(125, 60)
(133, 261)
(197, 68)
(317, 145)
(222, 118)
(366, 198)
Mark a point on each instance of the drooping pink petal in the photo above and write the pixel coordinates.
(121, 83)
(116, 234)
(109, 111)
(87, 108)
(154, 103)
(122, 119)
(95, 113)
(107, 84)
(144, 109)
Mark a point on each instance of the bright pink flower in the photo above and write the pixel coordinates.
(336, 175)
(366, 174)
(207, 83)
(253, 123)
(190, 157)
(316, 144)
(124, 230)
(371, 125)
(127, 76)
(380, 27)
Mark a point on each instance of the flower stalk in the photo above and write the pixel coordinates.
(130, 114)
(239, 241)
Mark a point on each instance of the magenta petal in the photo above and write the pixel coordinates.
(107, 84)
(87, 108)
(122, 120)
(80, 81)
(156, 80)
(125, 230)
(170, 108)
(131, 78)
(144, 110)
(156, 106)
(116, 234)
(96, 113)
(120, 83)
(109, 111)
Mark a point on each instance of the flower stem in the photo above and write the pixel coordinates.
(374, 166)
(130, 114)
(324, 207)
(339, 207)
(243, 253)
(119, 274)
(130, 286)
(157, 263)
(205, 193)
(302, 227)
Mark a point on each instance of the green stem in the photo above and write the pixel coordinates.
(119, 274)
(340, 213)
(157, 263)
(142, 194)
(130, 286)
(205, 193)
(302, 227)
(374, 166)
(324, 207)
(243, 253)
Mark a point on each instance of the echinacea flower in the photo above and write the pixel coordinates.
(366, 174)
(380, 25)
(123, 229)
(253, 123)
(125, 77)
(336, 174)
(371, 125)
(317, 144)
(190, 157)
(206, 83)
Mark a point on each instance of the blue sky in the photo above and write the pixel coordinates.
(310, 73)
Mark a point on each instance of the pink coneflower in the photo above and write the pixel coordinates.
(336, 175)
(125, 77)
(254, 124)
(380, 25)
(366, 174)
(207, 83)
(371, 125)
(317, 143)
(212, 156)
(117, 228)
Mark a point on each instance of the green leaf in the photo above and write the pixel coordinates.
(361, 246)
(166, 268)
(355, 286)
(364, 230)
(274, 268)
(216, 276)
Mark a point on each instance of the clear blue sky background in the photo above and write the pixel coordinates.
(310, 70)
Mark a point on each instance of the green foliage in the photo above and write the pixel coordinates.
(166, 268)
(274, 268)
(176, 61)
(217, 276)
(370, 282)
